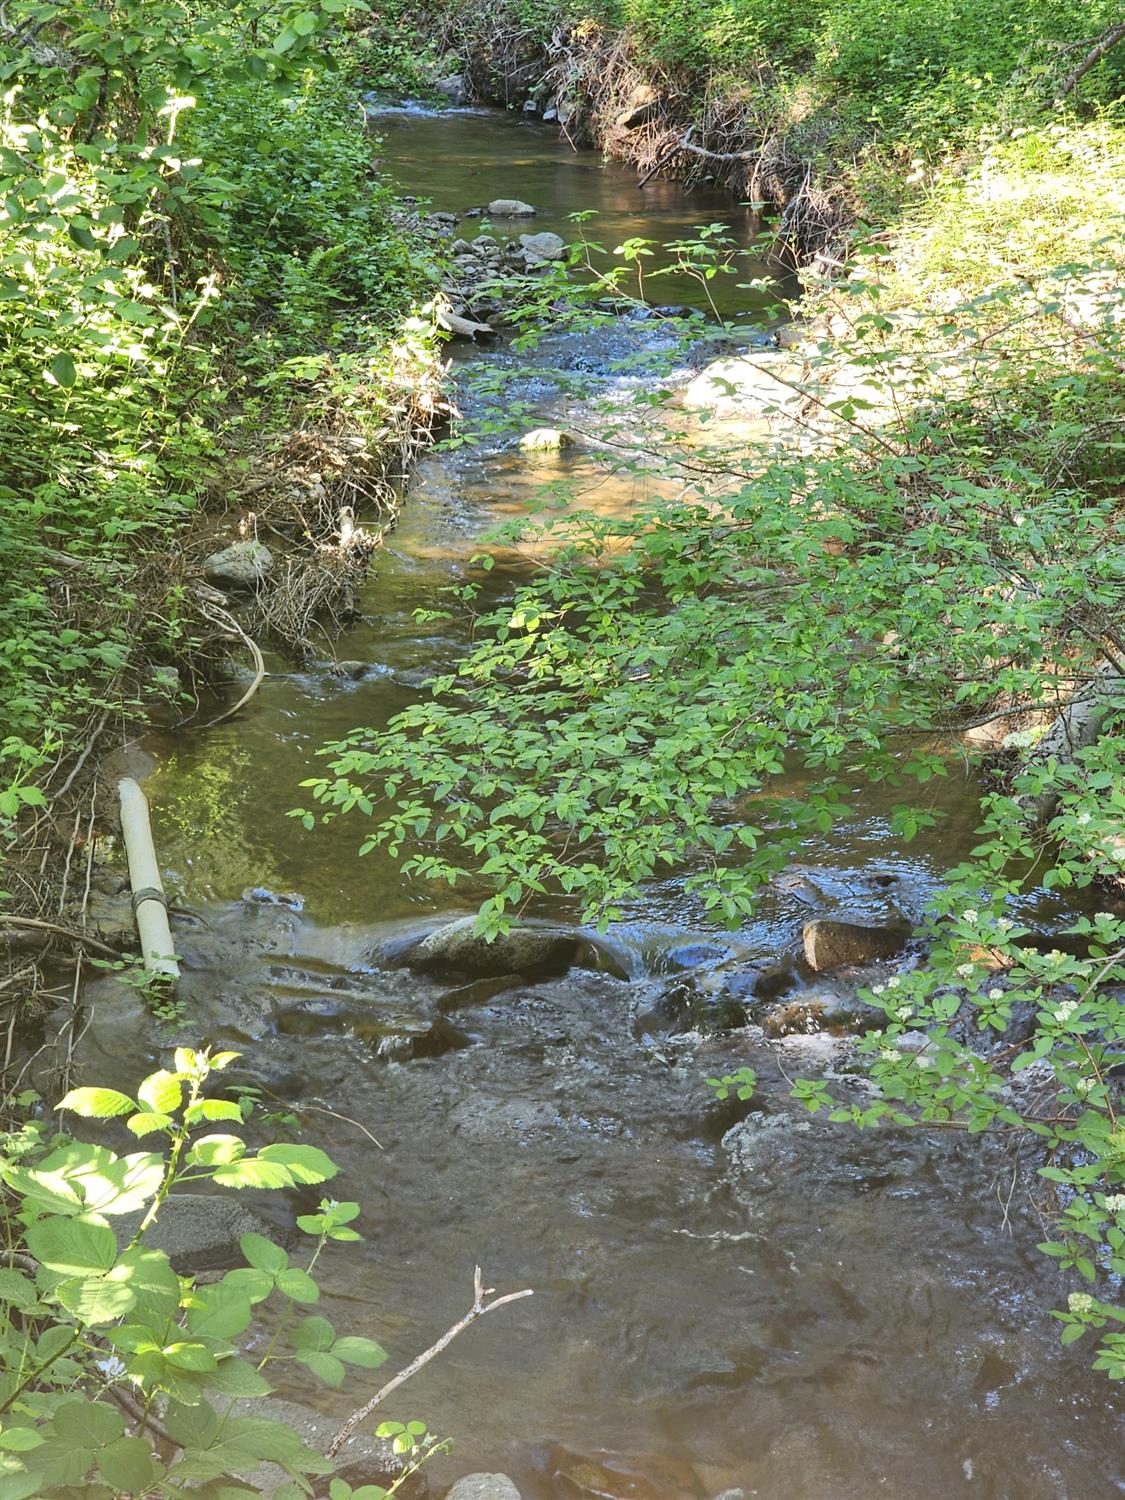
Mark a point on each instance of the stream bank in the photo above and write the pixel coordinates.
(727, 1296)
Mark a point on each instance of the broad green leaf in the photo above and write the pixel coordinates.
(20, 1439)
(97, 1104)
(88, 1424)
(128, 1465)
(62, 368)
(325, 1367)
(95, 1300)
(147, 1123)
(189, 1356)
(251, 1172)
(215, 1150)
(263, 1254)
(354, 1350)
(162, 1092)
(313, 1334)
(306, 1163)
(16, 1288)
(298, 1285)
(72, 1247)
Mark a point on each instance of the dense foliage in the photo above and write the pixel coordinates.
(99, 1334)
(186, 200)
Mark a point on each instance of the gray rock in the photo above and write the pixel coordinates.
(545, 246)
(510, 208)
(530, 107)
(364, 1460)
(243, 565)
(197, 1231)
(832, 945)
(484, 1487)
(163, 682)
(453, 88)
(459, 948)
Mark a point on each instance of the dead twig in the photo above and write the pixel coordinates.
(479, 1308)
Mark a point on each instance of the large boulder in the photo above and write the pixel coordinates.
(830, 944)
(242, 565)
(545, 440)
(545, 246)
(458, 948)
(510, 208)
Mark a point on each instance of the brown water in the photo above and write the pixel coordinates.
(803, 1314)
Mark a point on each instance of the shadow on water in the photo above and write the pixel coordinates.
(803, 1313)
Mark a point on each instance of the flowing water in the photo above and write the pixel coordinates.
(802, 1313)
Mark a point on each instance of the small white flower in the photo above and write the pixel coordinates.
(1115, 1203)
(1064, 1011)
(890, 1054)
(1005, 924)
(971, 915)
(1085, 1085)
(1057, 956)
(893, 983)
(922, 1061)
(877, 989)
(1019, 520)
(966, 971)
(1082, 819)
(1080, 1302)
(904, 1012)
(996, 994)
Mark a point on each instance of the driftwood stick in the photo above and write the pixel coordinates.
(252, 646)
(478, 1310)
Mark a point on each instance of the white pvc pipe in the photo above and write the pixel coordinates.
(149, 904)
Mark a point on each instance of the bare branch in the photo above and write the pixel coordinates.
(479, 1308)
(1107, 40)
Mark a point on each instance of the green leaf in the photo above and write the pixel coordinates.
(97, 1104)
(128, 1465)
(72, 1247)
(263, 1254)
(219, 1312)
(306, 1164)
(147, 1123)
(354, 1350)
(325, 1367)
(189, 1356)
(216, 1150)
(251, 1172)
(313, 1335)
(62, 368)
(304, 23)
(298, 1285)
(16, 1288)
(95, 1300)
(20, 1439)
(87, 1424)
(162, 1092)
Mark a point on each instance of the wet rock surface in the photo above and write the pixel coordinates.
(484, 1487)
(832, 944)
(458, 948)
(197, 1231)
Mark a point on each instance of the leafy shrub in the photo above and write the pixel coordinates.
(95, 1338)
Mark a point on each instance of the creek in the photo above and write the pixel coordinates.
(803, 1313)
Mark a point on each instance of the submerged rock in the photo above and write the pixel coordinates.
(663, 1009)
(510, 208)
(458, 948)
(807, 1014)
(832, 945)
(545, 440)
(484, 1487)
(242, 565)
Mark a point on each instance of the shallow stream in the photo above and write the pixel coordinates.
(804, 1313)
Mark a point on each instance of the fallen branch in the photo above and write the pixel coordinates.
(37, 924)
(1107, 40)
(478, 1310)
(227, 619)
